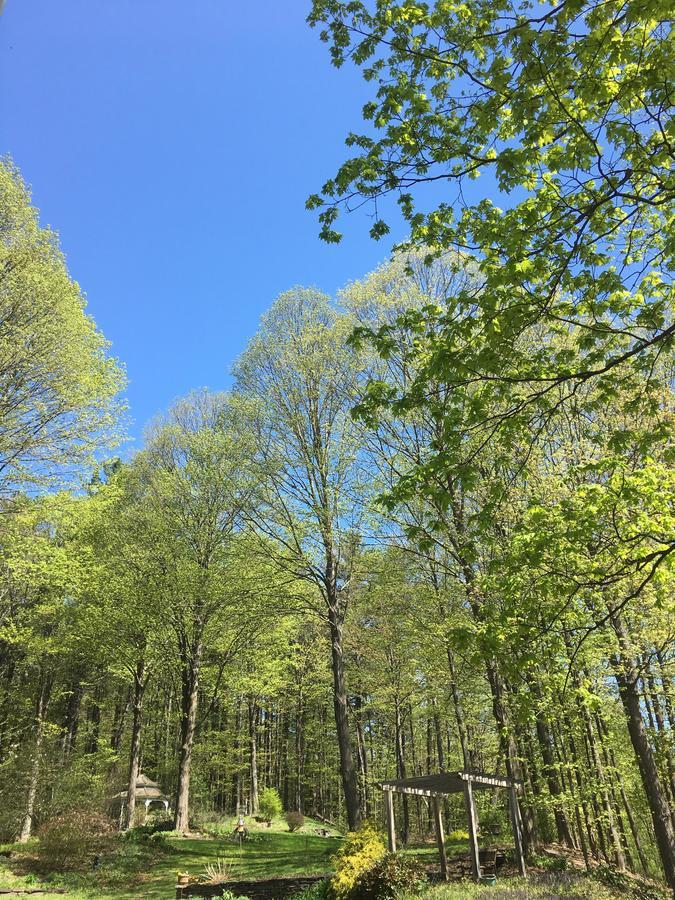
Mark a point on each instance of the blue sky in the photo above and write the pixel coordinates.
(172, 146)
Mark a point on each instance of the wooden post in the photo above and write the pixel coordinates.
(516, 824)
(473, 836)
(440, 837)
(391, 828)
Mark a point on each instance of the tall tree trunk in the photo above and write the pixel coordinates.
(497, 689)
(624, 797)
(401, 767)
(666, 684)
(135, 750)
(362, 759)
(253, 754)
(72, 716)
(236, 778)
(608, 809)
(119, 717)
(556, 791)
(40, 712)
(300, 752)
(509, 747)
(189, 702)
(347, 767)
(627, 675)
(663, 736)
(459, 712)
(440, 749)
(94, 720)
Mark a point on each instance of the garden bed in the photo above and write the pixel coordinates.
(269, 889)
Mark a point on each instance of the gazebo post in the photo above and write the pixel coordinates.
(473, 836)
(440, 837)
(391, 829)
(514, 809)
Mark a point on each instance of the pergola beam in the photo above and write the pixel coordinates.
(440, 837)
(419, 792)
(517, 825)
(474, 859)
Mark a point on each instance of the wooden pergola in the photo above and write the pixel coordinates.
(437, 787)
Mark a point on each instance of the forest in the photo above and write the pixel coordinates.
(430, 528)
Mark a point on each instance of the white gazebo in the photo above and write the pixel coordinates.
(147, 793)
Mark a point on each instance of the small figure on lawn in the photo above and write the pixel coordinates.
(240, 830)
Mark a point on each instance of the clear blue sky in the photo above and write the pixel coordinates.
(172, 146)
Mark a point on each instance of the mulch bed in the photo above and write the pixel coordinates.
(269, 889)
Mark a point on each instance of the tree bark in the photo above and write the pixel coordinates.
(627, 675)
(362, 759)
(401, 767)
(556, 791)
(626, 678)
(121, 710)
(300, 752)
(253, 754)
(43, 699)
(347, 767)
(135, 750)
(189, 701)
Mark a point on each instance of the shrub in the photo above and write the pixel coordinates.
(359, 852)
(550, 863)
(391, 876)
(162, 824)
(71, 840)
(458, 835)
(294, 820)
(270, 805)
(318, 891)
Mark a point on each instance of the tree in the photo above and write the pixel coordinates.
(270, 804)
(564, 113)
(196, 470)
(298, 378)
(127, 611)
(57, 383)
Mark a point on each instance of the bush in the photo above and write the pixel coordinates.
(294, 820)
(71, 840)
(318, 891)
(391, 876)
(270, 805)
(458, 835)
(550, 863)
(359, 852)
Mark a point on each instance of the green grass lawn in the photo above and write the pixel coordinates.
(137, 871)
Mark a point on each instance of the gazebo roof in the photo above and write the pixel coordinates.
(146, 789)
(446, 783)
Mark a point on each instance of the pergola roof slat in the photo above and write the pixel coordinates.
(445, 783)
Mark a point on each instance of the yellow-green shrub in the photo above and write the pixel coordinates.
(459, 834)
(361, 850)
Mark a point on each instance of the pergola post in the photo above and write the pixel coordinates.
(516, 824)
(440, 837)
(473, 836)
(391, 827)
